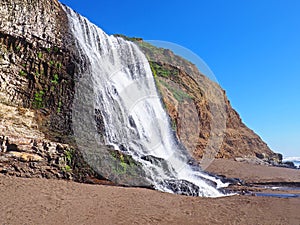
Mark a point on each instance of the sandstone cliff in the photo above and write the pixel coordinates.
(200, 112)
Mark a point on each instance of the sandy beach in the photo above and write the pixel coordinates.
(42, 201)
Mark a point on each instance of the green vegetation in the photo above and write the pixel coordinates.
(55, 49)
(159, 70)
(69, 159)
(123, 163)
(55, 79)
(128, 38)
(22, 73)
(51, 62)
(178, 94)
(38, 99)
(59, 107)
(37, 74)
(67, 168)
(18, 48)
(58, 65)
(48, 50)
(153, 70)
(69, 155)
(174, 125)
(158, 54)
(148, 48)
(40, 55)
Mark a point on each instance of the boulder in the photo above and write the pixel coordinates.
(182, 187)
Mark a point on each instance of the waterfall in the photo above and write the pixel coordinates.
(135, 122)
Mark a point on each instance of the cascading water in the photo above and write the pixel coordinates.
(134, 119)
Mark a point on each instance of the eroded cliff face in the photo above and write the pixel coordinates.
(37, 62)
(37, 67)
(200, 112)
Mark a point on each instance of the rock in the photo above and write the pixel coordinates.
(275, 158)
(3, 170)
(26, 157)
(254, 160)
(260, 155)
(289, 164)
(60, 148)
(182, 187)
(4, 159)
(161, 163)
(12, 147)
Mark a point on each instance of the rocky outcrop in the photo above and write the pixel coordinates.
(38, 62)
(25, 151)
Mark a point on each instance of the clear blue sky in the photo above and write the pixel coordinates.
(252, 46)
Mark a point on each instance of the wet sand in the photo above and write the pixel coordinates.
(41, 201)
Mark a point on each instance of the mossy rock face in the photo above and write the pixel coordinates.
(115, 166)
(124, 163)
(125, 168)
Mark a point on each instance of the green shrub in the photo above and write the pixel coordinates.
(69, 156)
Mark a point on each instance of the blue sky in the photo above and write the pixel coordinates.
(252, 46)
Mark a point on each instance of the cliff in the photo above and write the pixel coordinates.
(38, 63)
(39, 67)
(200, 111)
